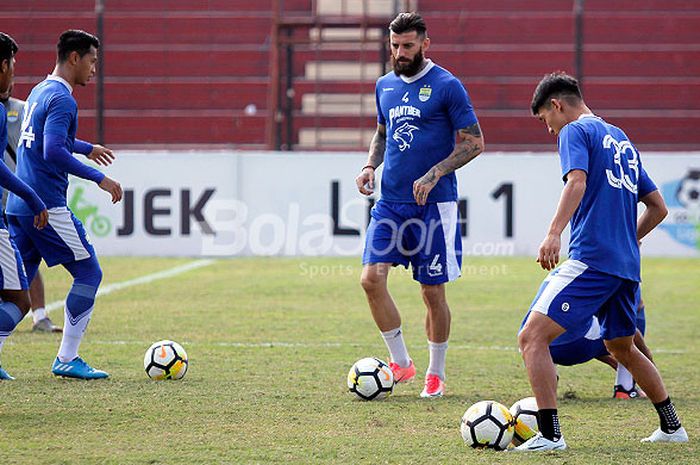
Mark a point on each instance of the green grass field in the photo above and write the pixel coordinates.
(270, 343)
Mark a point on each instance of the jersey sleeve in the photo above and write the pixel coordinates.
(59, 115)
(82, 147)
(459, 105)
(380, 115)
(573, 149)
(645, 185)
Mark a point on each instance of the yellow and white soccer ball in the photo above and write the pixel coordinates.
(524, 414)
(165, 360)
(487, 424)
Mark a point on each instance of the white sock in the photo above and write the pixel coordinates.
(38, 314)
(397, 347)
(72, 335)
(624, 377)
(438, 351)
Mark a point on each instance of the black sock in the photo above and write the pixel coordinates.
(548, 423)
(668, 416)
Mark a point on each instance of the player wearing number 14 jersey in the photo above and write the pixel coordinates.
(44, 161)
(604, 180)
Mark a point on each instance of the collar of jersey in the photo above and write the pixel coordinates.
(429, 65)
(51, 77)
(586, 115)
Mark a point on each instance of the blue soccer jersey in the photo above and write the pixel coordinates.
(604, 227)
(421, 114)
(50, 109)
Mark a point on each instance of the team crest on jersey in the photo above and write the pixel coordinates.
(12, 116)
(424, 93)
(403, 135)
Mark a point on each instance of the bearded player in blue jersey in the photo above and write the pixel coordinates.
(421, 110)
(44, 161)
(13, 291)
(604, 180)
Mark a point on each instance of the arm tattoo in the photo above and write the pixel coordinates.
(470, 145)
(377, 147)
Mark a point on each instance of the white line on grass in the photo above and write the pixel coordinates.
(149, 278)
(334, 345)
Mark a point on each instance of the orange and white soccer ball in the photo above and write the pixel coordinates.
(165, 360)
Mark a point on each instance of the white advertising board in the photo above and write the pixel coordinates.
(303, 204)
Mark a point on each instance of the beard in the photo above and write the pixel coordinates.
(408, 68)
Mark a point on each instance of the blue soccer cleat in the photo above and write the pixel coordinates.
(5, 376)
(76, 368)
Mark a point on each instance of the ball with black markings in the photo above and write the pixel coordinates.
(165, 360)
(370, 379)
(487, 424)
(524, 414)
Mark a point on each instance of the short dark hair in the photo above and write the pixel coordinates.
(8, 47)
(75, 40)
(407, 22)
(555, 85)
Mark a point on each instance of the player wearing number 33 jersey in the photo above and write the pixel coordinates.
(604, 181)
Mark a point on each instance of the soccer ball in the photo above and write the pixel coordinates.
(524, 414)
(165, 360)
(688, 192)
(370, 379)
(487, 424)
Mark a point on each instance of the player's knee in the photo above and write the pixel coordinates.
(529, 339)
(20, 299)
(620, 349)
(371, 281)
(434, 295)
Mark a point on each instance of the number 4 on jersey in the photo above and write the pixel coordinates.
(27, 132)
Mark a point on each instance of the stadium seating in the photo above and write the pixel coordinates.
(198, 71)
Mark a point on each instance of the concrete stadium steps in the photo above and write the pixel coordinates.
(505, 6)
(558, 28)
(203, 28)
(518, 6)
(176, 61)
(176, 127)
(604, 61)
(45, 28)
(155, 6)
(160, 93)
(487, 94)
(515, 61)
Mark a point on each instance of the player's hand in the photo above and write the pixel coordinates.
(113, 187)
(101, 155)
(549, 252)
(365, 181)
(423, 186)
(42, 219)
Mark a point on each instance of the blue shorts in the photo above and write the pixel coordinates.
(12, 273)
(63, 240)
(426, 237)
(573, 293)
(579, 351)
